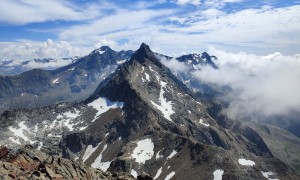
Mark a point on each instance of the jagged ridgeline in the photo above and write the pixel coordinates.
(72, 83)
(142, 120)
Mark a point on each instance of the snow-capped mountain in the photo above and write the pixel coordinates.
(70, 83)
(14, 67)
(198, 59)
(143, 120)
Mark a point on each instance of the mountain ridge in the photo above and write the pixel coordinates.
(144, 120)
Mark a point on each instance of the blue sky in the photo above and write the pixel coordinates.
(34, 28)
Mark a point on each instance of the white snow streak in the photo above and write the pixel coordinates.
(170, 175)
(89, 151)
(159, 171)
(173, 153)
(158, 155)
(98, 161)
(55, 81)
(165, 106)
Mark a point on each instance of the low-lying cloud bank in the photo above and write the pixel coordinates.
(262, 86)
(28, 50)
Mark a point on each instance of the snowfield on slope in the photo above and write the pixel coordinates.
(103, 104)
(165, 106)
(144, 151)
(98, 161)
(245, 162)
(89, 151)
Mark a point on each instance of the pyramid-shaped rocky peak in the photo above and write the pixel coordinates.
(144, 52)
(105, 48)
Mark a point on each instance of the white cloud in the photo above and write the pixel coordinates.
(175, 65)
(260, 31)
(261, 85)
(123, 24)
(185, 2)
(219, 3)
(27, 50)
(29, 11)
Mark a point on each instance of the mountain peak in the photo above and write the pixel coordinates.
(102, 50)
(105, 48)
(144, 52)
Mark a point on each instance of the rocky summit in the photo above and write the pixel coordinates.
(143, 121)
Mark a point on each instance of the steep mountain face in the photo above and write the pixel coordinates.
(70, 83)
(14, 67)
(144, 121)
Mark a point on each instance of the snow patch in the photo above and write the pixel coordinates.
(268, 174)
(40, 145)
(201, 121)
(147, 76)
(100, 52)
(159, 171)
(15, 140)
(133, 173)
(165, 106)
(98, 161)
(245, 162)
(158, 155)
(65, 120)
(121, 62)
(20, 131)
(102, 105)
(55, 81)
(144, 151)
(218, 174)
(169, 176)
(173, 153)
(89, 151)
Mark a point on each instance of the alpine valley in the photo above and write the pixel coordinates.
(125, 115)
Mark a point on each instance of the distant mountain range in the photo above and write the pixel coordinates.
(71, 83)
(14, 67)
(142, 120)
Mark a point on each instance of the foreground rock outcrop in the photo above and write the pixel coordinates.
(29, 163)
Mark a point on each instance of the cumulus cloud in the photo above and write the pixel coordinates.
(175, 65)
(262, 87)
(36, 50)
